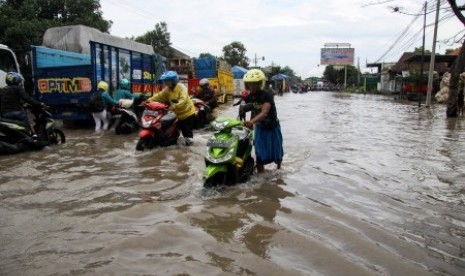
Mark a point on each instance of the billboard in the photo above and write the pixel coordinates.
(337, 56)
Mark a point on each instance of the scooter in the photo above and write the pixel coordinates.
(228, 158)
(203, 113)
(125, 119)
(15, 136)
(159, 127)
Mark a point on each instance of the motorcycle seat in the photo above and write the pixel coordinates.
(12, 121)
(168, 119)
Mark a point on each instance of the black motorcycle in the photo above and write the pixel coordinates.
(15, 136)
(125, 120)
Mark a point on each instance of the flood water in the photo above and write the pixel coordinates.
(369, 186)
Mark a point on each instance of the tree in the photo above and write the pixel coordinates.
(336, 76)
(234, 54)
(457, 67)
(23, 23)
(419, 50)
(330, 74)
(159, 38)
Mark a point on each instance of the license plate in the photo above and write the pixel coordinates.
(218, 143)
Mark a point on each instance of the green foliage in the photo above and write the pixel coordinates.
(234, 54)
(159, 38)
(418, 50)
(336, 76)
(23, 23)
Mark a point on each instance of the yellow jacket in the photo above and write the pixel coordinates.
(184, 108)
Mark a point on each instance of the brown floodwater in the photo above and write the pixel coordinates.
(369, 186)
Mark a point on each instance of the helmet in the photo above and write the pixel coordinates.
(170, 76)
(13, 78)
(102, 86)
(255, 75)
(204, 82)
(124, 84)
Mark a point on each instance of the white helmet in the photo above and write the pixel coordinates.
(203, 82)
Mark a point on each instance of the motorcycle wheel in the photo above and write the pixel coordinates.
(247, 170)
(216, 180)
(56, 136)
(145, 143)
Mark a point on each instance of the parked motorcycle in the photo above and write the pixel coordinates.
(203, 113)
(159, 127)
(228, 158)
(15, 136)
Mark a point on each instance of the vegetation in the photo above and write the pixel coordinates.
(336, 76)
(159, 38)
(23, 23)
(234, 54)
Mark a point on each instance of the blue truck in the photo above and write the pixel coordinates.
(65, 80)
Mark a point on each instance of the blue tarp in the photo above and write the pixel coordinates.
(279, 77)
(205, 67)
(238, 72)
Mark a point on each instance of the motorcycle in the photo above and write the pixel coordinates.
(228, 158)
(125, 119)
(159, 127)
(15, 136)
(203, 113)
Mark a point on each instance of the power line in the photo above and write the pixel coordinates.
(397, 44)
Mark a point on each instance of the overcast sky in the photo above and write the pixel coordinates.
(287, 33)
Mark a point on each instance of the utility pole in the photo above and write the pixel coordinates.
(433, 56)
(256, 59)
(422, 55)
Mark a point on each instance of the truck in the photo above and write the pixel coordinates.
(66, 74)
(218, 72)
(8, 63)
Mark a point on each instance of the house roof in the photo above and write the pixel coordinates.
(178, 54)
(401, 64)
(410, 60)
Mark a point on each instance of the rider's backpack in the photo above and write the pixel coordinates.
(96, 103)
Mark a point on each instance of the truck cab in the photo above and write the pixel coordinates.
(8, 63)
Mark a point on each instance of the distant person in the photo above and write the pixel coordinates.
(242, 114)
(268, 140)
(123, 91)
(12, 99)
(207, 94)
(98, 104)
(175, 95)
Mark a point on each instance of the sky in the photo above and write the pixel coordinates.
(290, 32)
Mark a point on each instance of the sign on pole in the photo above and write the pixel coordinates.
(337, 54)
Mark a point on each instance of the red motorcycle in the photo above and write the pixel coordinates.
(159, 127)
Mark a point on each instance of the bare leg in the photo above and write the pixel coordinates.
(260, 168)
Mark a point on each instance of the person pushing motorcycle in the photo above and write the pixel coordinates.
(268, 140)
(175, 95)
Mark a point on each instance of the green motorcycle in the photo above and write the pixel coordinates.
(228, 159)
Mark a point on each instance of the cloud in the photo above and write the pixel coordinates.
(288, 33)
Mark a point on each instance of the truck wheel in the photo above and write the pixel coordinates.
(56, 136)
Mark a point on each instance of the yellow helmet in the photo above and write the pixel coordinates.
(255, 75)
(102, 86)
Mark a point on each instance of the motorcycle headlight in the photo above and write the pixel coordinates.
(222, 159)
(219, 125)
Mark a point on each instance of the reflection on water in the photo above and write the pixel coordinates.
(369, 186)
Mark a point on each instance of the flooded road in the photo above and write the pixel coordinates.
(369, 186)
